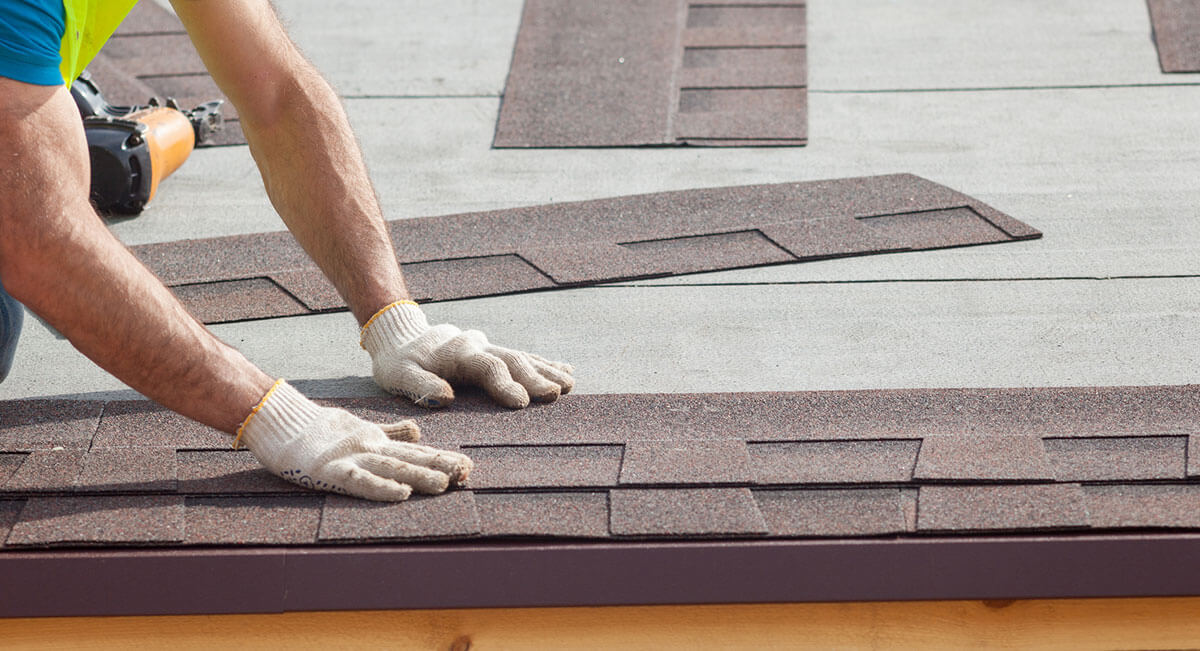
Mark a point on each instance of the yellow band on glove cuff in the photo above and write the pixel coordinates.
(379, 314)
(238, 439)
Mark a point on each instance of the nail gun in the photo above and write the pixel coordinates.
(133, 148)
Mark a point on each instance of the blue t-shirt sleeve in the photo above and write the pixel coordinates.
(31, 34)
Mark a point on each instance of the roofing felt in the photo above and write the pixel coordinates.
(557, 245)
(151, 56)
(1176, 34)
(644, 467)
(662, 72)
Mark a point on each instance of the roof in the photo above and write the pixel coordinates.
(623, 479)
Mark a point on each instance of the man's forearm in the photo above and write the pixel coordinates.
(314, 173)
(59, 259)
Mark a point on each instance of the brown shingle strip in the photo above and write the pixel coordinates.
(1002, 507)
(600, 74)
(259, 520)
(834, 462)
(690, 512)
(141, 423)
(533, 466)
(46, 471)
(585, 242)
(452, 515)
(973, 457)
(684, 462)
(1118, 458)
(226, 471)
(127, 470)
(1177, 34)
(835, 512)
(1144, 505)
(27, 425)
(571, 515)
(135, 519)
(590, 74)
(238, 300)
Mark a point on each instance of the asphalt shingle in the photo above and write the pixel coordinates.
(1015, 507)
(832, 512)
(1118, 458)
(971, 457)
(681, 462)
(544, 514)
(108, 519)
(690, 512)
(451, 515)
(834, 462)
(258, 520)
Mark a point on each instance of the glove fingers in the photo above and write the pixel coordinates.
(527, 375)
(417, 384)
(563, 379)
(561, 366)
(424, 480)
(454, 464)
(491, 373)
(405, 430)
(362, 483)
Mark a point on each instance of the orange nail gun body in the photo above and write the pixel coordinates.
(133, 148)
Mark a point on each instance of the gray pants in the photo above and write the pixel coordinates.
(11, 316)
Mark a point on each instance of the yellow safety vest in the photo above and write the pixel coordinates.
(89, 24)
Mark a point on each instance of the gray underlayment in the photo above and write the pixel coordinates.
(1055, 113)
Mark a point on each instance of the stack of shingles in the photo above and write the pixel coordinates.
(613, 467)
(151, 56)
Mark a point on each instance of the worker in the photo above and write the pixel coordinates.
(59, 259)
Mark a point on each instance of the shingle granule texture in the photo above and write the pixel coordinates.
(832, 512)
(27, 425)
(683, 462)
(699, 513)
(252, 520)
(452, 515)
(949, 456)
(133, 519)
(543, 514)
(834, 462)
(587, 242)
(1005, 507)
(1118, 458)
(536, 466)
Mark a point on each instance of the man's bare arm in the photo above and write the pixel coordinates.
(59, 259)
(299, 136)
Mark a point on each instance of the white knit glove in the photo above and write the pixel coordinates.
(333, 450)
(417, 361)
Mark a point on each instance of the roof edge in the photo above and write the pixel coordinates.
(264, 580)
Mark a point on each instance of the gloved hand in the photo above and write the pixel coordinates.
(417, 361)
(333, 450)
